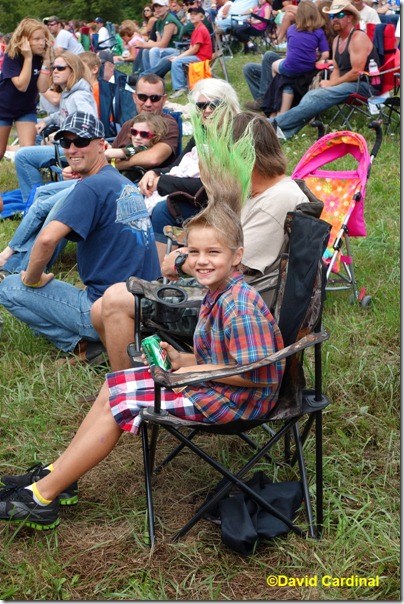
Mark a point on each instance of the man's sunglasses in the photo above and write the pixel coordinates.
(53, 23)
(208, 105)
(340, 15)
(141, 133)
(59, 67)
(79, 143)
(155, 98)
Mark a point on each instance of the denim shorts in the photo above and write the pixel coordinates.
(286, 72)
(28, 117)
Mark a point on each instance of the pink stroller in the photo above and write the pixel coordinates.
(343, 193)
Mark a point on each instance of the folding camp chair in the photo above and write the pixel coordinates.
(371, 107)
(265, 39)
(298, 313)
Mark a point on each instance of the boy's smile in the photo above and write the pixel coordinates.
(211, 260)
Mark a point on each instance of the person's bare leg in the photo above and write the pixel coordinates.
(26, 133)
(4, 134)
(94, 440)
(287, 101)
(96, 318)
(275, 67)
(161, 250)
(116, 324)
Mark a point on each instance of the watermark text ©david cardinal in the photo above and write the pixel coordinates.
(324, 580)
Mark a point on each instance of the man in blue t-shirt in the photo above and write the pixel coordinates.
(106, 215)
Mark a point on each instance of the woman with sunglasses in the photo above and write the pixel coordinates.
(25, 71)
(72, 78)
(146, 130)
(148, 21)
(209, 96)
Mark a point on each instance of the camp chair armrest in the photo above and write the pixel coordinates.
(263, 19)
(169, 294)
(172, 380)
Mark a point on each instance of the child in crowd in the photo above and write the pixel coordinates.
(306, 46)
(235, 327)
(146, 130)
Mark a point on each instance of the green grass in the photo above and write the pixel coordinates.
(99, 553)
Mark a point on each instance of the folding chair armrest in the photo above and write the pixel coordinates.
(183, 44)
(263, 19)
(187, 297)
(173, 380)
(176, 234)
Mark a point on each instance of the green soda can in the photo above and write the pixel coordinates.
(155, 355)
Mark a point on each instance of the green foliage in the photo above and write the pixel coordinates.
(11, 12)
(99, 550)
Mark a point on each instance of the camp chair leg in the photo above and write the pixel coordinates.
(305, 484)
(319, 473)
(148, 485)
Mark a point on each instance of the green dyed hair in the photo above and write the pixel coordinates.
(225, 164)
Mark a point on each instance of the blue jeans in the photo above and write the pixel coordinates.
(162, 217)
(155, 60)
(152, 56)
(178, 76)
(46, 201)
(259, 77)
(28, 161)
(59, 311)
(317, 101)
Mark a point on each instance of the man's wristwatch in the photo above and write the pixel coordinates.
(178, 264)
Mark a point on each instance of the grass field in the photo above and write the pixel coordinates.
(99, 553)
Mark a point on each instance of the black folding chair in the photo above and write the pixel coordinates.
(298, 312)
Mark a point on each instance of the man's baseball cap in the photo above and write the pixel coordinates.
(85, 125)
(99, 20)
(161, 2)
(52, 19)
(196, 9)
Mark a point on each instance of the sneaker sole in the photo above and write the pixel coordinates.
(66, 500)
(35, 525)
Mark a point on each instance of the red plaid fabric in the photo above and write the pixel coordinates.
(132, 389)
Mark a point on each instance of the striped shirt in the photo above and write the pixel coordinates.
(235, 327)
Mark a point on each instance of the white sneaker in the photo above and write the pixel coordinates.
(280, 134)
(178, 93)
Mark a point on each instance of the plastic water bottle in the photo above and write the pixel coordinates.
(373, 68)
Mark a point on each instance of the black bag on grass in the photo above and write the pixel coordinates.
(244, 523)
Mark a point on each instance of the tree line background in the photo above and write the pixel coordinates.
(12, 11)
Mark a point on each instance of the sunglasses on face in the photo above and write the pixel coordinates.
(338, 15)
(141, 133)
(155, 98)
(208, 105)
(59, 67)
(80, 143)
(147, 10)
(53, 23)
